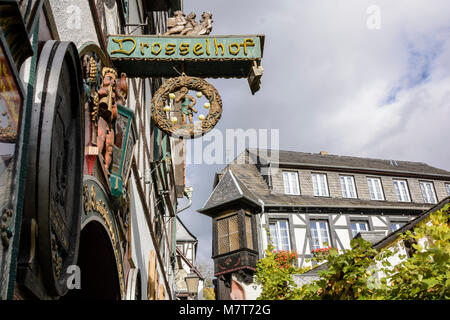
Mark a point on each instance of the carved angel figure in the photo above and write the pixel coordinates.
(205, 26)
(177, 23)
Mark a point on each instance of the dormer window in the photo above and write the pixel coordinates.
(291, 185)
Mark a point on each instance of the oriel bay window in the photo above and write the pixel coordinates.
(228, 234)
(234, 232)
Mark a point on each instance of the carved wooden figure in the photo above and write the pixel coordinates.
(187, 104)
(107, 114)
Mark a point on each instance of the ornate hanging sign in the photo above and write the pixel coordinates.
(200, 56)
(175, 109)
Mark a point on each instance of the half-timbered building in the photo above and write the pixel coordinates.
(309, 201)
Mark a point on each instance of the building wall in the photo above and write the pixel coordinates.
(362, 189)
(75, 22)
(338, 225)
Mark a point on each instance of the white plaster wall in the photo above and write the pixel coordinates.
(252, 291)
(344, 237)
(141, 242)
(341, 221)
(74, 21)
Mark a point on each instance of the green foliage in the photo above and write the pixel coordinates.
(274, 274)
(346, 276)
(364, 273)
(426, 274)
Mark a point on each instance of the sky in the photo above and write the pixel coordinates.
(352, 77)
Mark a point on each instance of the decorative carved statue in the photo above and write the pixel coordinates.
(187, 104)
(122, 89)
(107, 107)
(190, 25)
(179, 24)
(205, 26)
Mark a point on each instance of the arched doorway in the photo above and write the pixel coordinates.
(99, 277)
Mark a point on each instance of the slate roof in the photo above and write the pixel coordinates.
(255, 188)
(229, 189)
(329, 161)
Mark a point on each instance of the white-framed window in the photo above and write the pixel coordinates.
(348, 187)
(291, 185)
(428, 192)
(358, 226)
(401, 189)
(320, 234)
(320, 185)
(375, 189)
(396, 225)
(447, 187)
(279, 232)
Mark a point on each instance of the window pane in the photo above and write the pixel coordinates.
(375, 190)
(228, 234)
(428, 192)
(248, 231)
(290, 180)
(396, 225)
(320, 184)
(447, 186)
(401, 189)
(234, 233)
(319, 234)
(287, 186)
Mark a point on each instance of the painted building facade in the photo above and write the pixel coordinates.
(84, 194)
(308, 202)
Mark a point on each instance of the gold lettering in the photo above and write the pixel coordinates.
(207, 47)
(247, 43)
(170, 49)
(197, 48)
(234, 52)
(159, 48)
(121, 50)
(143, 44)
(184, 49)
(217, 47)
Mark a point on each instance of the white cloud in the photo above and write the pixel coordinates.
(332, 84)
